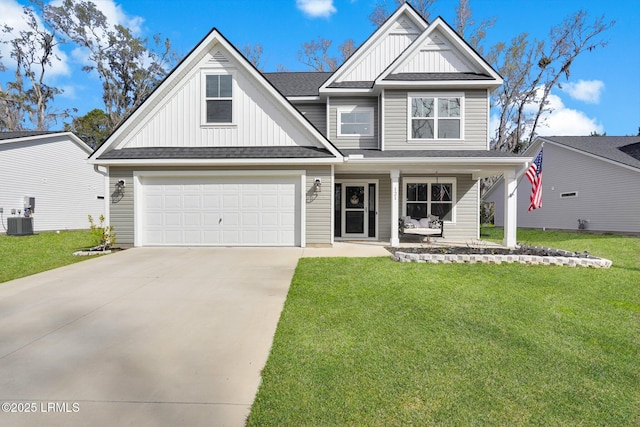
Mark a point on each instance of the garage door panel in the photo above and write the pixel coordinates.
(249, 219)
(231, 237)
(153, 201)
(250, 201)
(210, 201)
(211, 237)
(193, 219)
(154, 219)
(256, 210)
(231, 201)
(172, 219)
(270, 219)
(192, 237)
(192, 201)
(230, 219)
(270, 201)
(172, 235)
(210, 219)
(172, 201)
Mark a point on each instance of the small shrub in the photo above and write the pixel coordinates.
(103, 234)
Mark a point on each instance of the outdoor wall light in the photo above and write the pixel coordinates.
(317, 185)
(120, 186)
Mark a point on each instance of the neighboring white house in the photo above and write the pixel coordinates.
(52, 168)
(589, 182)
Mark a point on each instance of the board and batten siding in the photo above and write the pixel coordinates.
(318, 206)
(54, 170)
(176, 121)
(396, 118)
(363, 142)
(436, 55)
(381, 56)
(467, 213)
(608, 195)
(316, 114)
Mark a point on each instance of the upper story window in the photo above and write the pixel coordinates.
(355, 121)
(218, 98)
(435, 116)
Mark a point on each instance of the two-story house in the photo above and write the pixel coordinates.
(222, 154)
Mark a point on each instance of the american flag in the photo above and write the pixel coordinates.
(534, 174)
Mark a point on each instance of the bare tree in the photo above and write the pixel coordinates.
(531, 69)
(315, 55)
(466, 28)
(346, 49)
(254, 55)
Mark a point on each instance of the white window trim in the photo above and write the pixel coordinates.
(354, 109)
(203, 98)
(431, 180)
(412, 95)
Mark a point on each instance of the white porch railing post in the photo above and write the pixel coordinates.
(510, 208)
(395, 194)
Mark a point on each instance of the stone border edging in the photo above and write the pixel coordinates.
(498, 259)
(89, 253)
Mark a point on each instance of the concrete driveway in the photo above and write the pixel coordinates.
(142, 337)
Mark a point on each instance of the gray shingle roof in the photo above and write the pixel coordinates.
(429, 153)
(297, 83)
(294, 152)
(412, 77)
(352, 85)
(24, 134)
(621, 149)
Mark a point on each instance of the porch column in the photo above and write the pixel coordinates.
(395, 194)
(510, 208)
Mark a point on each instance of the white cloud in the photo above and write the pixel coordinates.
(316, 8)
(565, 121)
(584, 90)
(558, 120)
(13, 16)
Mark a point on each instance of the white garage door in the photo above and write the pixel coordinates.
(230, 211)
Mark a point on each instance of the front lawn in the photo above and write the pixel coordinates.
(25, 255)
(371, 342)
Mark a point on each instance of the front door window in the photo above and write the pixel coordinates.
(355, 217)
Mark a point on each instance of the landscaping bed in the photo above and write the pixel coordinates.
(534, 255)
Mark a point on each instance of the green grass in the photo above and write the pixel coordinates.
(372, 342)
(22, 256)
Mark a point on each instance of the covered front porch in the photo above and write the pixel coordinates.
(373, 190)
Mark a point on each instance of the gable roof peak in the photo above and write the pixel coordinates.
(462, 59)
(222, 52)
(405, 21)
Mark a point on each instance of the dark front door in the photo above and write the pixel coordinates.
(355, 209)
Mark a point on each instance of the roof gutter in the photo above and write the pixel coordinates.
(212, 162)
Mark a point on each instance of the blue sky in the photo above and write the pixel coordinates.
(602, 94)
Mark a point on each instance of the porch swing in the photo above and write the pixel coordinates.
(430, 226)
